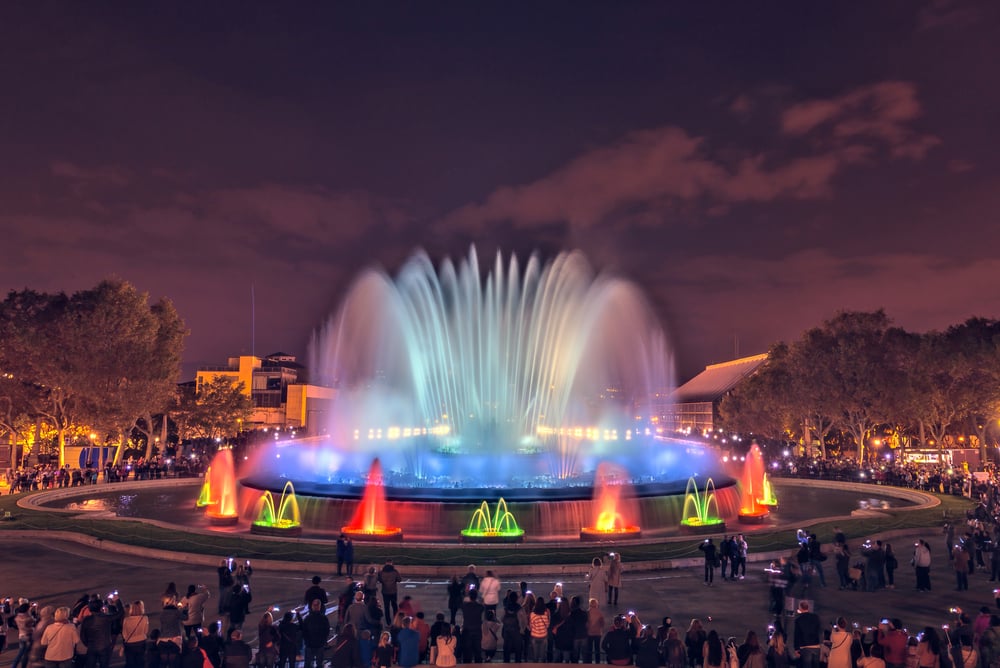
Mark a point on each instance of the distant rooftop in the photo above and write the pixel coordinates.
(717, 379)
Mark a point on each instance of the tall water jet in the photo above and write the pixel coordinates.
(752, 488)
(221, 508)
(610, 502)
(370, 521)
(205, 495)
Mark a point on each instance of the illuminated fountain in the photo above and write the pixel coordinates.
(205, 495)
(370, 521)
(285, 522)
(610, 485)
(471, 383)
(698, 505)
(220, 508)
(500, 527)
(767, 497)
(752, 511)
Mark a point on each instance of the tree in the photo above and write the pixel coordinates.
(762, 403)
(216, 411)
(976, 346)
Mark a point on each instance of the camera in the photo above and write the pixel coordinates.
(955, 610)
(611, 554)
(631, 613)
(884, 621)
(246, 588)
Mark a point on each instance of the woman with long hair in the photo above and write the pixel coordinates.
(714, 652)
(673, 651)
(385, 652)
(446, 643)
(929, 649)
(538, 624)
(346, 651)
(135, 632)
(891, 564)
(750, 653)
(694, 640)
(170, 621)
(779, 654)
(840, 646)
(267, 641)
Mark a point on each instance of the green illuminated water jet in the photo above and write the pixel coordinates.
(500, 526)
(286, 521)
(697, 515)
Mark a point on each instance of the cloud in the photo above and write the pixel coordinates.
(880, 112)
(80, 178)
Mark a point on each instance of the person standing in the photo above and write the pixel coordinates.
(711, 559)
(315, 632)
(193, 608)
(59, 640)
(598, 579)
(341, 553)
(725, 550)
(455, 596)
(349, 555)
(97, 634)
(891, 564)
(840, 645)
(389, 578)
(922, 565)
(472, 629)
(808, 636)
(489, 587)
(135, 631)
(614, 577)
(409, 645)
(25, 623)
(315, 591)
(960, 559)
(739, 557)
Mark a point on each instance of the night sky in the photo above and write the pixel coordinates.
(754, 166)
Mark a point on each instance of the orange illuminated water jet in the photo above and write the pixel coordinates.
(370, 521)
(221, 485)
(752, 511)
(610, 488)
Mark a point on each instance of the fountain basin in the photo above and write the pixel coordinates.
(290, 531)
(758, 516)
(696, 528)
(593, 534)
(223, 520)
(491, 537)
(380, 535)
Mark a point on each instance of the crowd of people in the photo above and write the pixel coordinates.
(51, 476)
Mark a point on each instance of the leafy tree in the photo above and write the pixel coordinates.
(216, 411)
(761, 404)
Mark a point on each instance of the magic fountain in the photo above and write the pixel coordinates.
(219, 494)
(467, 385)
(752, 511)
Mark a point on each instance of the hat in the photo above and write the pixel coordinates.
(803, 606)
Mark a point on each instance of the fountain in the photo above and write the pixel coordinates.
(205, 495)
(609, 500)
(499, 527)
(470, 383)
(767, 497)
(752, 488)
(698, 517)
(370, 519)
(284, 522)
(221, 483)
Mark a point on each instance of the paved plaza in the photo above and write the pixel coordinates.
(54, 572)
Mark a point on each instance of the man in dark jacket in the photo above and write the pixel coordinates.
(708, 547)
(97, 630)
(808, 636)
(315, 633)
(315, 591)
(472, 629)
(389, 578)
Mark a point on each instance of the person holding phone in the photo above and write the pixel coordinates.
(711, 559)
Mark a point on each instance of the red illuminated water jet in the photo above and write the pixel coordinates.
(221, 506)
(370, 521)
(752, 511)
(610, 498)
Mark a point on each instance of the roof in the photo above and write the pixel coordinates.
(717, 379)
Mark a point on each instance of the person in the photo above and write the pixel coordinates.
(243, 573)
(807, 636)
(779, 654)
(192, 608)
(349, 555)
(385, 652)
(578, 618)
(538, 625)
(409, 645)
(891, 564)
(922, 564)
(470, 580)
(345, 599)
(315, 631)
(750, 654)
(512, 627)
(455, 596)
(472, 628)
(315, 591)
(239, 604)
(25, 623)
(423, 630)
(595, 631)
(192, 656)
(210, 643)
(357, 612)
(135, 632)
(369, 584)
(617, 644)
(445, 653)
(614, 577)
(840, 646)
(165, 653)
(816, 558)
(561, 630)
(694, 640)
(237, 651)
(226, 582)
(929, 649)
(672, 650)
(714, 650)
(268, 640)
(597, 577)
(842, 557)
(341, 553)
(892, 639)
(36, 655)
(289, 639)
(345, 651)
(489, 589)
(490, 635)
(646, 649)
(389, 578)
(59, 640)
(707, 547)
(738, 557)
(97, 630)
(725, 550)
(960, 561)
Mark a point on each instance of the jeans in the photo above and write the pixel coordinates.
(579, 649)
(99, 657)
(538, 646)
(709, 572)
(562, 656)
(809, 657)
(390, 606)
(313, 657)
(593, 653)
(612, 595)
(923, 578)
(961, 581)
(818, 567)
(23, 647)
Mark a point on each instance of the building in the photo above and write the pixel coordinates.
(276, 385)
(696, 402)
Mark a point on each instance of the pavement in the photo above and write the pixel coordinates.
(59, 572)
